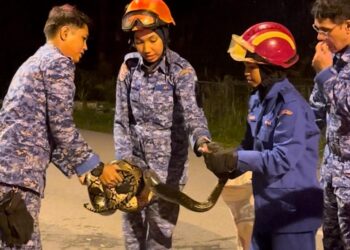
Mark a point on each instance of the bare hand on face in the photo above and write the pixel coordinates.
(323, 57)
(110, 176)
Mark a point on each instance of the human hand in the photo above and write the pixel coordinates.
(323, 57)
(110, 176)
(220, 160)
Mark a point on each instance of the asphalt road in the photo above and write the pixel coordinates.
(66, 224)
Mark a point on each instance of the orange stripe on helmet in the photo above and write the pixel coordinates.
(272, 34)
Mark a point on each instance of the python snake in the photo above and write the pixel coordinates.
(137, 190)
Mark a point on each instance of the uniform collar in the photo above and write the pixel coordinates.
(275, 89)
(344, 54)
(52, 47)
(162, 65)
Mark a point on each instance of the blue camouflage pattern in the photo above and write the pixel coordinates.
(330, 100)
(36, 127)
(156, 120)
(164, 216)
(36, 123)
(156, 115)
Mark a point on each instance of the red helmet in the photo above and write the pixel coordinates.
(273, 42)
(146, 14)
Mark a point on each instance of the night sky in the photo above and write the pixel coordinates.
(202, 33)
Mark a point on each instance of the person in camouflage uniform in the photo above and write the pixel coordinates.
(156, 116)
(330, 102)
(36, 123)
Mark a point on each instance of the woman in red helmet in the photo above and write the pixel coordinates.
(156, 116)
(280, 146)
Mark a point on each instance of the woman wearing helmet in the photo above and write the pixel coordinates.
(280, 146)
(156, 116)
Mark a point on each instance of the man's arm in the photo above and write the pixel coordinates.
(71, 154)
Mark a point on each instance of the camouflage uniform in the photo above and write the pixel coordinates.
(330, 101)
(155, 115)
(36, 126)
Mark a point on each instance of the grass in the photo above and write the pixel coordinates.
(224, 104)
(91, 119)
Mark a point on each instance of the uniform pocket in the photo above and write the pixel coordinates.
(267, 128)
(281, 199)
(158, 153)
(164, 106)
(265, 134)
(135, 89)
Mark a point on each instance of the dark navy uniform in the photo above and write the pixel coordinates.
(281, 149)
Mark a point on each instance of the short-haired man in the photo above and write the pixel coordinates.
(37, 127)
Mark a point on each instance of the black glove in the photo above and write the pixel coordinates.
(221, 161)
(199, 143)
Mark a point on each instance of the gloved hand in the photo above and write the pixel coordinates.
(200, 145)
(220, 160)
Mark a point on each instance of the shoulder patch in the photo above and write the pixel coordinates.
(123, 72)
(286, 112)
(185, 71)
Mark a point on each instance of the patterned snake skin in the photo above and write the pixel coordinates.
(130, 196)
(137, 190)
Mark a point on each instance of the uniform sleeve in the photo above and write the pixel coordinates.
(123, 118)
(318, 103)
(122, 138)
(196, 122)
(289, 143)
(336, 88)
(71, 154)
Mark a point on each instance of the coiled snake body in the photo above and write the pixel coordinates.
(129, 196)
(137, 190)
